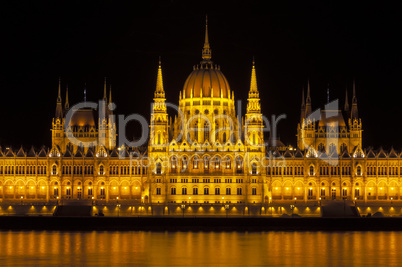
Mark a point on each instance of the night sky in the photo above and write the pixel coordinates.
(83, 42)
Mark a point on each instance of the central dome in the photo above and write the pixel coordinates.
(206, 80)
(209, 80)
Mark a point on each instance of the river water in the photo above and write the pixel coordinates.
(200, 249)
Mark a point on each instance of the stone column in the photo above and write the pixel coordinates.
(107, 193)
(95, 191)
(305, 194)
(365, 193)
(47, 193)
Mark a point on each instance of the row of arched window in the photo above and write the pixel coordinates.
(69, 170)
(296, 170)
(207, 191)
(125, 170)
(391, 171)
(333, 170)
(215, 162)
(22, 170)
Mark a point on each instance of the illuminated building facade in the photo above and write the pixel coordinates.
(206, 154)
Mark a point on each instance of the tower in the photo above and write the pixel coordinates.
(253, 120)
(58, 122)
(355, 124)
(306, 127)
(107, 124)
(159, 134)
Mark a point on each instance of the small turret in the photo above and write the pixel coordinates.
(308, 100)
(354, 112)
(104, 90)
(59, 108)
(303, 108)
(66, 105)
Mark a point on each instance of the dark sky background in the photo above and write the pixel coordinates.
(83, 41)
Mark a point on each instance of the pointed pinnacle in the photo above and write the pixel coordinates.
(59, 91)
(104, 88)
(110, 93)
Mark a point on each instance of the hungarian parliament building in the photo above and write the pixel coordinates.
(205, 154)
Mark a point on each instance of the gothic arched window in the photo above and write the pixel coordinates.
(206, 132)
(196, 132)
(359, 170)
(216, 132)
(158, 168)
(254, 168)
(101, 170)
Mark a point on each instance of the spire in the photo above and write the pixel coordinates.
(59, 108)
(354, 111)
(206, 50)
(253, 83)
(66, 105)
(159, 92)
(253, 105)
(159, 105)
(346, 101)
(308, 100)
(59, 93)
(110, 94)
(303, 108)
(110, 104)
(104, 90)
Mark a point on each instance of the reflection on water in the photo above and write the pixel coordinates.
(187, 249)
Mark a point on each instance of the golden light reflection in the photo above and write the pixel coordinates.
(200, 248)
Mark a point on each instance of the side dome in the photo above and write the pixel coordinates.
(206, 79)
